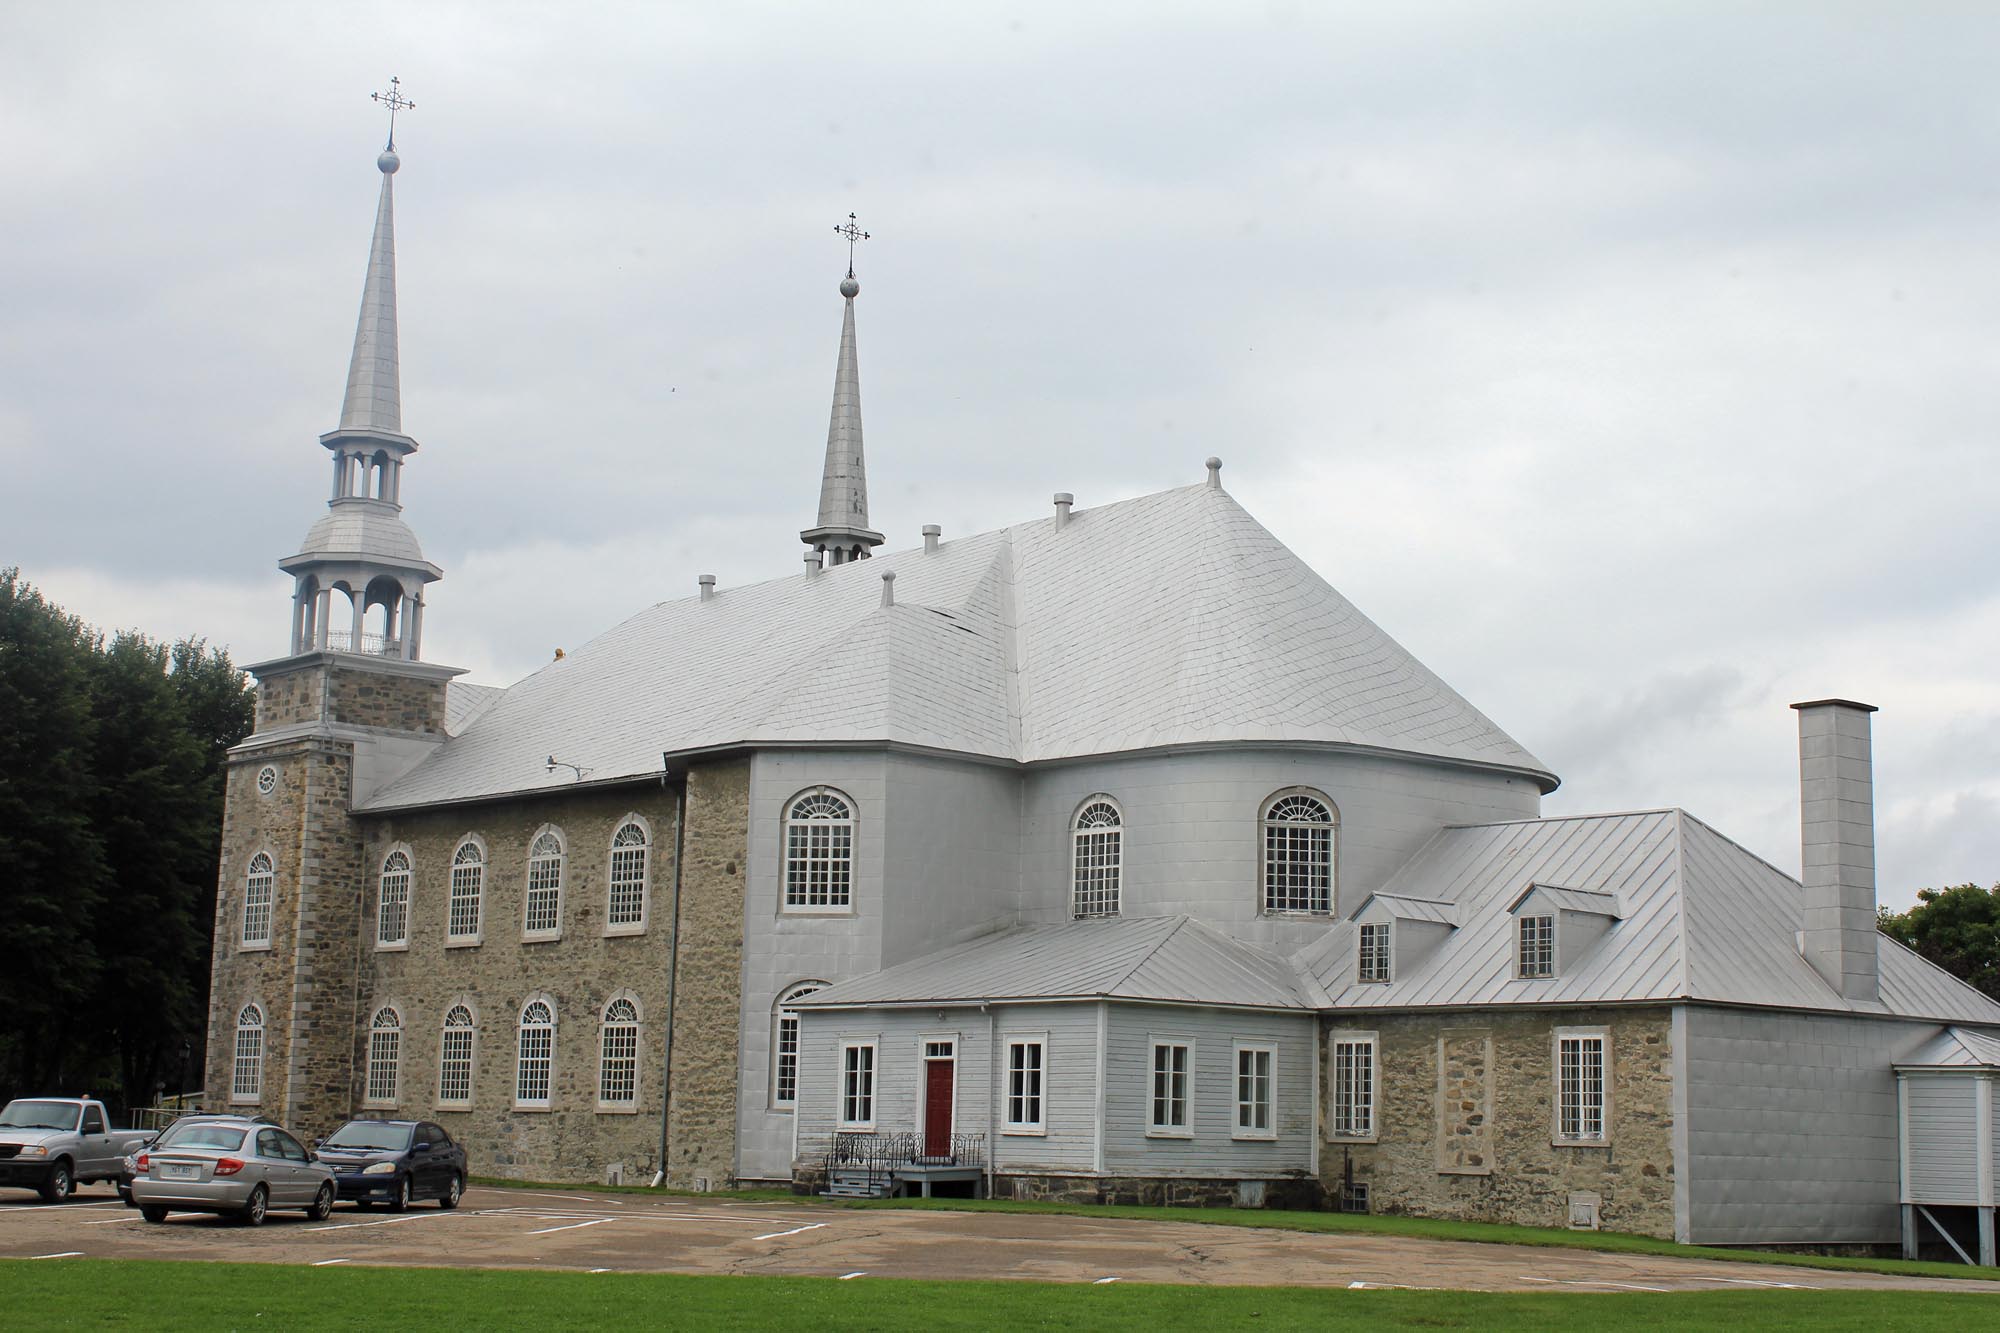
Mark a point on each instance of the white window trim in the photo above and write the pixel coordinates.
(1332, 826)
(1077, 833)
(1374, 1040)
(1024, 1128)
(874, 1045)
(1388, 954)
(1236, 1130)
(1521, 972)
(261, 944)
(638, 1026)
(368, 1098)
(472, 1057)
(545, 1104)
(924, 1058)
(1155, 1130)
(638, 927)
(1556, 1037)
(262, 1027)
(785, 905)
(562, 886)
(402, 943)
(478, 935)
(780, 1009)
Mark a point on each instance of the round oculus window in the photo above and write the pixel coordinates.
(267, 780)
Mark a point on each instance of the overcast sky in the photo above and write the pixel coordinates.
(1633, 365)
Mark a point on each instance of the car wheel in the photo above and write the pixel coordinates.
(322, 1204)
(253, 1211)
(405, 1192)
(61, 1183)
(153, 1212)
(452, 1193)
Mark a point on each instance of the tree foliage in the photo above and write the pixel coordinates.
(111, 768)
(1958, 928)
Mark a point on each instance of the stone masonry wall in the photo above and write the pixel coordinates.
(387, 699)
(287, 698)
(1473, 1139)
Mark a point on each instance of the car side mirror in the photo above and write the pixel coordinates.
(318, 1144)
(421, 1147)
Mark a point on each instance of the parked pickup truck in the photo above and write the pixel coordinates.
(52, 1144)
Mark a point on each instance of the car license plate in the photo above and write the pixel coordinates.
(179, 1171)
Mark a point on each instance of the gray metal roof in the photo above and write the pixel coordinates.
(1171, 959)
(1703, 920)
(363, 531)
(1569, 900)
(1408, 909)
(374, 399)
(464, 703)
(1956, 1048)
(1170, 619)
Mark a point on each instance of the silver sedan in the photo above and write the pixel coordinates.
(229, 1165)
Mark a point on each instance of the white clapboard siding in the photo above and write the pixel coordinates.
(1943, 1153)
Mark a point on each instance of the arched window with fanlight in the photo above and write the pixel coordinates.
(618, 1056)
(385, 1056)
(785, 1044)
(631, 857)
(819, 851)
(465, 911)
(542, 919)
(455, 1058)
(246, 1074)
(1097, 838)
(534, 1068)
(259, 885)
(1301, 829)
(392, 915)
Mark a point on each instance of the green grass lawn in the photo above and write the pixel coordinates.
(136, 1294)
(1428, 1228)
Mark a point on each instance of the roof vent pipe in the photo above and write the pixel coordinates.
(814, 560)
(931, 534)
(1837, 845)
(888, 587)
(1214, 473)
(707, 582)
(1063, 501)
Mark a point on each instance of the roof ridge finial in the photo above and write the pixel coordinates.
(395, 101)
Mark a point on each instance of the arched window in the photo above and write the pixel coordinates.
(455, 1058)
(385, 1056)
(468, 891)
(246, 1079)
(785, 1045)
(392, 917)
(258, 886)
(819, 851)
(545, 884)
(618, 1058)
(532, 1071)
(1299, 830)
(1098, 836)
(631, 852)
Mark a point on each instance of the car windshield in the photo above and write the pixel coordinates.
(370, 1136)
(203, 1135)
(40, 1115)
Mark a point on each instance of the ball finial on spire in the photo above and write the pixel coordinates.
(387, 163)
(849, 287)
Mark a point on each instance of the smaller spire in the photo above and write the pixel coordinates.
(374, 399)
(842, 531)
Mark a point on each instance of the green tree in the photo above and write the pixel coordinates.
(1958, 928)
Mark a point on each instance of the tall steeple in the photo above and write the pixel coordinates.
(362, 548)
(842, 533)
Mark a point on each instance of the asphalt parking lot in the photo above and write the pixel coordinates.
(631, 1233)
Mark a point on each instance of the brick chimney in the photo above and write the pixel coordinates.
(1837, 844)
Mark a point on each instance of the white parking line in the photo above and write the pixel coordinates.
(849, 1277)
(596, 1222)
(323, 1263)
(1103, 1281)
(108, 1221)
(539, 1194)
(811, 1226)
(1753, 1282)
(387, 1221)
(38, 1207)
(66, 1254)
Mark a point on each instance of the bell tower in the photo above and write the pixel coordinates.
(842, 533)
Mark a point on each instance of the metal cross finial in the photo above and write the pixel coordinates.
(852, 231)
(395, 101)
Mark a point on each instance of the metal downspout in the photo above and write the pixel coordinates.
(992, 1093)
(673, 983)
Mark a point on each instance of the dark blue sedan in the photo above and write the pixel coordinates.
(395, 1163)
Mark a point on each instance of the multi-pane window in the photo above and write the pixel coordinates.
(1298, 855)
(785, 1047)
(455, 1058)
(246, 1081)
(257, 889)
(819, 851)
(1537, 935)
(1171, 1061)
(1351, 1109)
(1253, 1092)
(468, 890)
(629, 853)
(545, 882)
(385, 1055)
(1580, 1087)
(1024, 1086)
(857, 1085)
(1098, 839)
(537, 1054)
(1373, 964)
(618, 1059)
(392, 917)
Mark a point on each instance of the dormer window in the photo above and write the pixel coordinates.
(1374, 957)
(1536, 947)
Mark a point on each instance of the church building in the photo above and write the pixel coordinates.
(1072, 871)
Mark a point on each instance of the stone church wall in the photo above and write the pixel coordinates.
(1465, 1108)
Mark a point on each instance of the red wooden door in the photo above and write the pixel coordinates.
(937, 1108)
